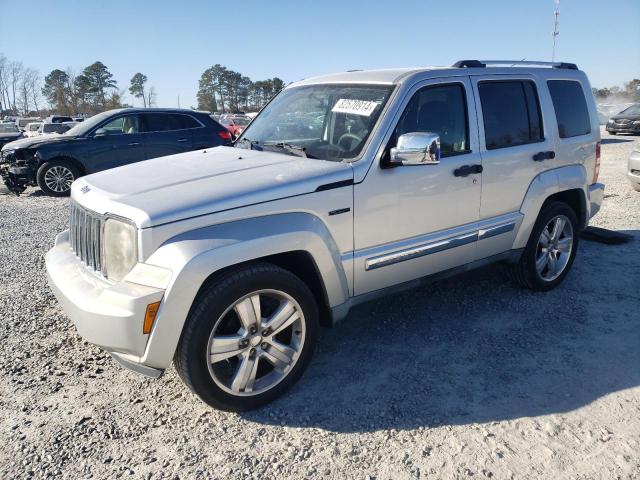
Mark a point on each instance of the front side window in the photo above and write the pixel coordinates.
(328, 122)
(511, 113)
(570, 107)
(127, 125)
(440, 109)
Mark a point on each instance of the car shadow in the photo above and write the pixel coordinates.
(606, 141)
(475, 348)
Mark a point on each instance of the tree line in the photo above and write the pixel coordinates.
(630, 92)
(94, 90)
(224, 90)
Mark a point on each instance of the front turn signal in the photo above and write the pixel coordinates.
(150, 317)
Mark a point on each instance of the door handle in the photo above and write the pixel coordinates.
(134, 144)
(540, 156)
(182, 140)
(467, 170)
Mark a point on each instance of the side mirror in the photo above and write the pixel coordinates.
(101, 132)
(418, 148)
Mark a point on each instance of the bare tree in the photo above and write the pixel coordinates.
(33, 83)
(151, 96)
(15, 75)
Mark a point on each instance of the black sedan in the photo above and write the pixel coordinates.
(107, 140)
(627, 121)
(8, 133)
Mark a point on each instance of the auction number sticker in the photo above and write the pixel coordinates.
(355, 107)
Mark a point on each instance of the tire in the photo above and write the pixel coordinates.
(214, 320)
(55, 177)
(636, 186)
(526, 272)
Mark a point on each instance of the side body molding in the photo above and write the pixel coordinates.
(193, 256)
(542, 187)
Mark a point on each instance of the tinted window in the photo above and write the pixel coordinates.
(156, 122)
(570, 107)
(511, 113)
(441, 110)
(128, 124)
(182, 122)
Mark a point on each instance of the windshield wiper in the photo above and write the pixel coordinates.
(289, 148)
(246, 140)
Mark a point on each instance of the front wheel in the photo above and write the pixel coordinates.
(55, 178)
(248, 338)
(551, 248)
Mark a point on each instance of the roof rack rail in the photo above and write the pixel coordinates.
(512, 63)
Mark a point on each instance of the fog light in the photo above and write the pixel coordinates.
(150, 316)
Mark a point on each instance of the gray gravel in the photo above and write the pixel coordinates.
(470, 377)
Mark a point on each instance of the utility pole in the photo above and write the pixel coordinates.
(555, 33)
(178, 101)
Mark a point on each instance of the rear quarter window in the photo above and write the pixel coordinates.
(570, 106)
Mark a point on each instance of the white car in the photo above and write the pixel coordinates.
(345, 187)
(32, 129)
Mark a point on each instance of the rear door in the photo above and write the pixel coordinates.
(165, 134)
(515, 145)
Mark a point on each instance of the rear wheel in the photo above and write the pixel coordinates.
(551, 248)
(55, 177)
(248, 338)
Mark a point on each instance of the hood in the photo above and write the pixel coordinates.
(31, 142)
(629, 116)
(177, 187)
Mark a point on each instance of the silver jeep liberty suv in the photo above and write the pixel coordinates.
(226, 260)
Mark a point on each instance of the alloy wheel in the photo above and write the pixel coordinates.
(59, 179)
(554, 248)
(256, 342)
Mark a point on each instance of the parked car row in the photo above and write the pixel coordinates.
(107, 140)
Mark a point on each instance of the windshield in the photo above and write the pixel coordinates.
(8, 128)
(329, 122)
(89, 123)
(241, 121)
(632, 110)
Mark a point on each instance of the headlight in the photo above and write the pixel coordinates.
(120, 248)
(636, 122)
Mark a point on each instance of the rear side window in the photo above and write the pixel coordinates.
(570, 107)
(156, 122)
(182, 122)
(511, 113)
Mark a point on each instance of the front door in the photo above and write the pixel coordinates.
(122, 144)
(412, 221)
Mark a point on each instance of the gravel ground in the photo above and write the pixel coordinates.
(470, 377)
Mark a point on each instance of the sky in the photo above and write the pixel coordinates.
(174, 42)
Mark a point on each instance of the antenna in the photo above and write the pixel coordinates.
(555, 33)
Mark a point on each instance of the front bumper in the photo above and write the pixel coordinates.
(624, 128)
(633, 168)
(596, 196)
(108, 315)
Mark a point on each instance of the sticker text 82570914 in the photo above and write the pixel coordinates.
(355, 107)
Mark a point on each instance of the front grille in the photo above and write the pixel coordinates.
(623, 121)
(85, 236)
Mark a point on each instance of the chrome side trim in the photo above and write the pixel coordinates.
(495, 230)
(420, 251)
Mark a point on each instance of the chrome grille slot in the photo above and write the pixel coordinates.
(85, 236)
